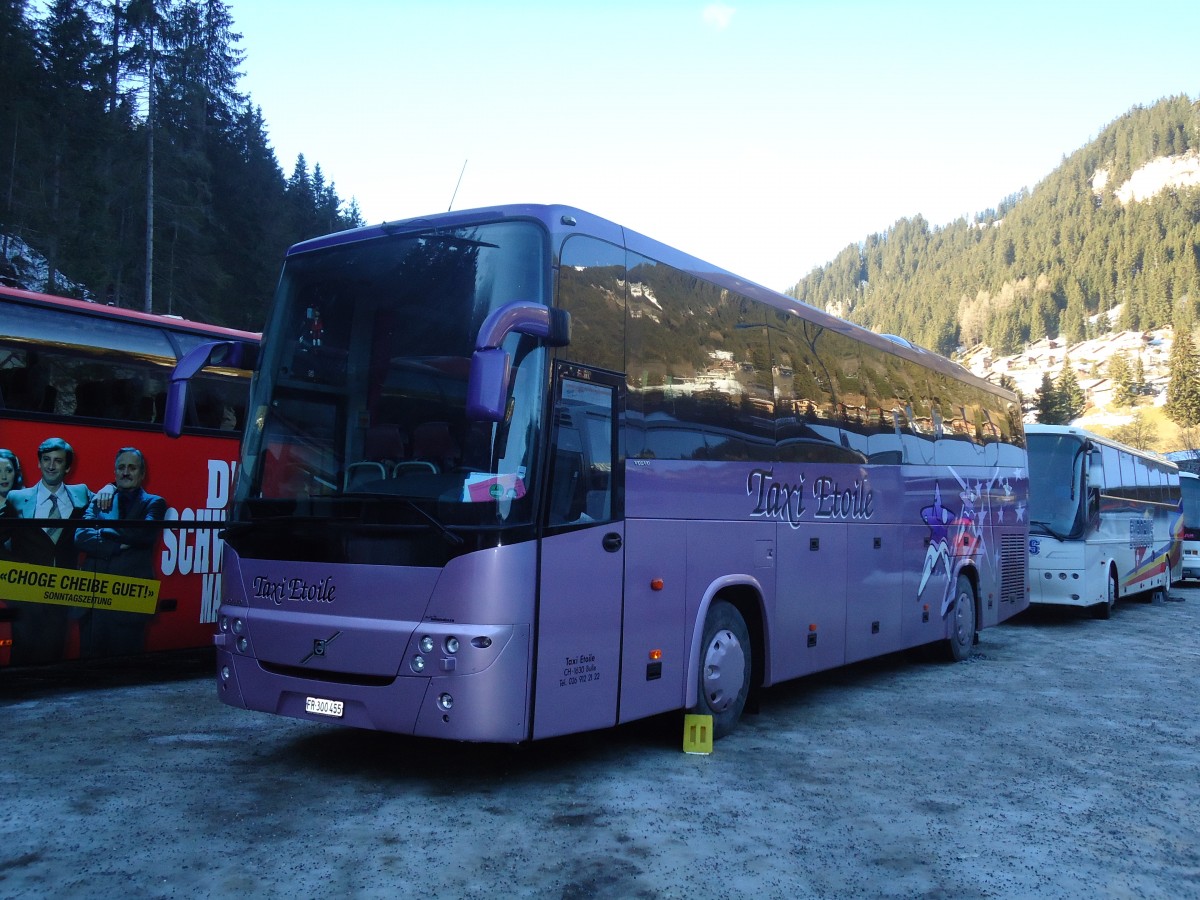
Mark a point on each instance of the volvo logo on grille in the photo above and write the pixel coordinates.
(320, 645)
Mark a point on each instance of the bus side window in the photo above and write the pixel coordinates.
(581, 481)
(567, 495)
(1110, 476)
(18, 387)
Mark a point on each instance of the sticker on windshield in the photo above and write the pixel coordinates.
(483, 487)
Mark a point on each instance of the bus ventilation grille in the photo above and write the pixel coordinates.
(1012, 568)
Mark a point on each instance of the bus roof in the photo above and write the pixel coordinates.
(103, 311)
(1037, 428)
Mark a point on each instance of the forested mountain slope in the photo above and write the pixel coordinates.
(1088, 239)
(103, 105)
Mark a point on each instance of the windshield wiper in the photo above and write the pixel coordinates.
(438, 526)
(1046, 529)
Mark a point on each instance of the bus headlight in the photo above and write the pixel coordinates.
(427, 644)
(418, 664)
(451, 645)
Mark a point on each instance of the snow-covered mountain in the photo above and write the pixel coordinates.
(1089, 359)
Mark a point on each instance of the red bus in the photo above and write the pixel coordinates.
(96, 378)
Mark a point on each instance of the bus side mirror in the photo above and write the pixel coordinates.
(488, 381)
(487, 386)
(235, 354)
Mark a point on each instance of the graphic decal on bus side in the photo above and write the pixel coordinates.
(961, 535)
(198, 551)
(1150, 562)
(66, 587)
(95, 570)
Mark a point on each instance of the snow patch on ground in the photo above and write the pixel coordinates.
(1156, 176)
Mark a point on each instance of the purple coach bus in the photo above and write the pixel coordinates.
(520, 472)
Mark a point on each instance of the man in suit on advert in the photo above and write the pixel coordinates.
(39, 630)
(117, 549)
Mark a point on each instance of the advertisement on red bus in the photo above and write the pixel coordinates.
(55, 613)
(136, 565)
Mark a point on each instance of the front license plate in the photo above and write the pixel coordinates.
(322, 707)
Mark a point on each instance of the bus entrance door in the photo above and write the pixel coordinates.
(578, 654)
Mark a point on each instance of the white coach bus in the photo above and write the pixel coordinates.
(1104, 520)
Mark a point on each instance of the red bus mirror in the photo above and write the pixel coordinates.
(227, 353)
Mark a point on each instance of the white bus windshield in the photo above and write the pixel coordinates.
(1056, 490)
(1190, 488)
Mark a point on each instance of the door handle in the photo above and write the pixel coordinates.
(612, 542)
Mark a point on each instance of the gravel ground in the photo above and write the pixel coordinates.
(1061, 760)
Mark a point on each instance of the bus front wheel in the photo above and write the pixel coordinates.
(1104, 610)
(724, 677)
(962, 621)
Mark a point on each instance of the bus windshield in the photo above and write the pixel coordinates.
(361, 399)
(1056, 488)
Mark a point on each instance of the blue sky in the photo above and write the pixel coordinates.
(763, 136)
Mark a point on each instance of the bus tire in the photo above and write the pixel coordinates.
(724, 672)
(1161, 594)
(962, 621)
(1104, 610)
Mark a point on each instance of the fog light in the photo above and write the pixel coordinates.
(224, 673)
(445, 701)
(242, 644)
(427, 644)
(418, 664)
(451, 645)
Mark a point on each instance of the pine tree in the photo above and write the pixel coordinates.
(1183, 387)
(1071, 399)
(1138, 376)
(71, 52)
(1049, 407)
(1072, 326)
(1121, 376)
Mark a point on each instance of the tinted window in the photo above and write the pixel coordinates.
(700, 383)
(64, 363)
(591, 286)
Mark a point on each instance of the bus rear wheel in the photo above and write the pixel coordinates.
(724, 677)
(1166, 588)
(962, 621)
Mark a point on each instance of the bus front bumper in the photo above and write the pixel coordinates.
(488, 706)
